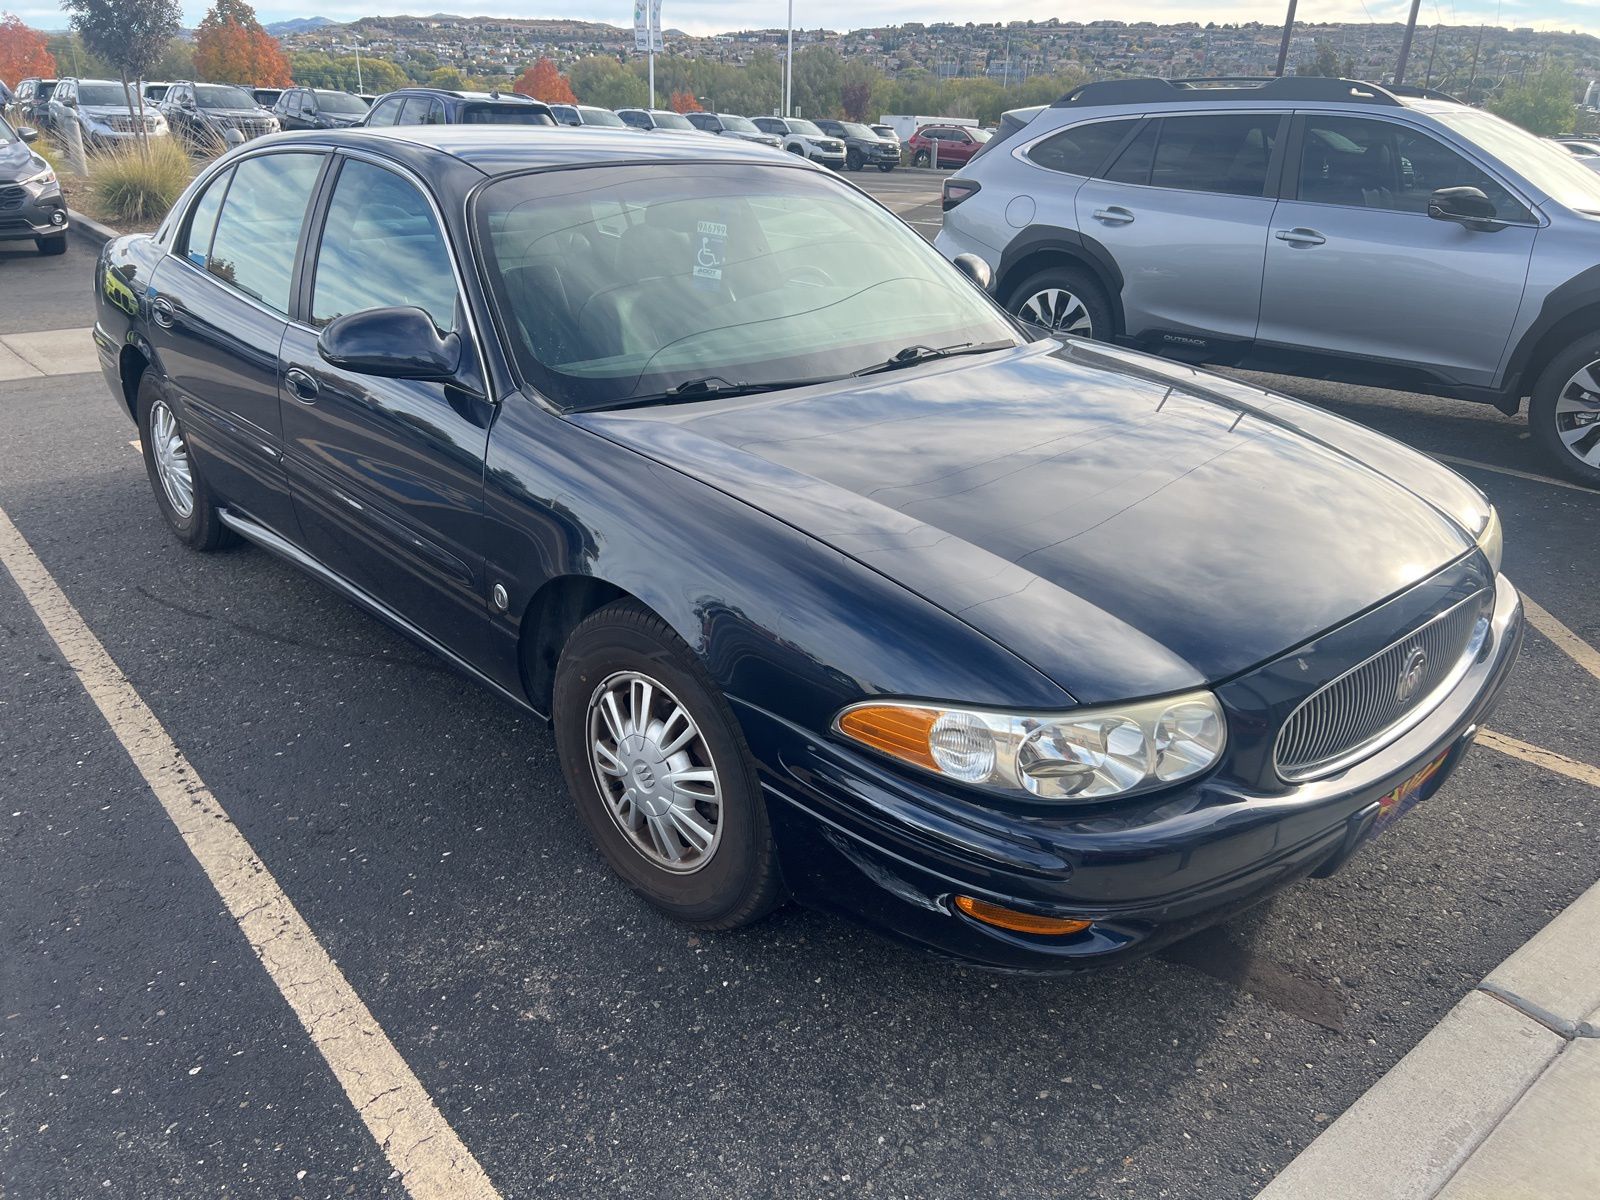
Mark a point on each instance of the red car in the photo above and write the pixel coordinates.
(957, 144)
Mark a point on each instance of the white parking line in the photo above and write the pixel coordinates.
(1569, 643)
(1539, 757)
(430, 1158)
(1483, 466)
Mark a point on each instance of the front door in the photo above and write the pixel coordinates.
(387, 474)
(219, 306)
(1355, 266)
(1184, 212)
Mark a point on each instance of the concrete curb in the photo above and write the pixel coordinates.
(90, 228)
(1452, 1112)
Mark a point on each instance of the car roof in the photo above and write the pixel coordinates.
(499, 149)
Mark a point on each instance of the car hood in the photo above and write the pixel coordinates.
(233, 113)
(16, 161)
(99, 112)
(1127, 532)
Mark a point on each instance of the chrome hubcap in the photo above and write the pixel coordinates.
(171, 458)
(1056, 310)
(655, 772)
(1578, 415)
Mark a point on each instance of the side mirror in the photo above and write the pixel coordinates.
(1464, 205)
(975, 269)
(28, 133)
(391, 343)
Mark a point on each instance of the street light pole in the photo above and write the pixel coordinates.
(788, 68)
(1288, 32)
(1405, 44)
(359, 88)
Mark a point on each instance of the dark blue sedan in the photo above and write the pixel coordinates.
(833, 584)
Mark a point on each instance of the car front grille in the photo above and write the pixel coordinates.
(1378, 700)
(12, 197)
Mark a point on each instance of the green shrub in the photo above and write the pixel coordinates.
(137, 184)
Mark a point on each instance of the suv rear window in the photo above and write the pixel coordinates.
(504, 114)
(1083, 149)
(1226, 153)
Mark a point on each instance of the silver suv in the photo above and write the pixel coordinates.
(1317, 227)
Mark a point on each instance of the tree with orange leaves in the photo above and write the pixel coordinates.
(230, 46)
(683, 102)
(544, 82)
(22, 52)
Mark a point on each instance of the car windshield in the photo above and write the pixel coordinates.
(7, 134)
(851, 129)
(1543, 164)
(504, 114)
(671, 120)
(601, 116)
(804, 128)
(102, 94)
(45, 91)
(739, 124)
(617, 284)
(215, 95)
(339, 102)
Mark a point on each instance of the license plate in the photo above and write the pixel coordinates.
(1417, 788)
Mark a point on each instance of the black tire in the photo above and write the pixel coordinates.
(202, 528)
(739, 882)
(796, 150)
(886, 166)
(921, 158)
(52, 246)
(1076, 281)
(1545, 420)
(853, 160)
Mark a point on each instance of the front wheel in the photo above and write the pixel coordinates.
(1565, 412)
(853, 160)
(51, 246)
(1063, 302)
(660, 771)
(886, 167)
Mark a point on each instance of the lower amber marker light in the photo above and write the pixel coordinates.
(1018, 922)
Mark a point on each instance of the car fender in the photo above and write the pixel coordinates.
(1038, 245)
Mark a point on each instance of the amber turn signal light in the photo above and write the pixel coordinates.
(1018, 922)
(897, 731)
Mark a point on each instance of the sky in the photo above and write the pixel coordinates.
(717, 16)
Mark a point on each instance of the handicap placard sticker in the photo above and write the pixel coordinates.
(711, 247)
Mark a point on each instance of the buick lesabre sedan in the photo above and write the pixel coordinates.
(832, 583)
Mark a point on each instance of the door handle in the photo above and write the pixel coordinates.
(1115, 215)
(163, 312)
(1300, 237)
(301, 385)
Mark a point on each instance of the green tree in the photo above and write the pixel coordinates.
(602, 80)
(176, 61)
(1545, 104)
(74, 58)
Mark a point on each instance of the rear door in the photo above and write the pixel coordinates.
(219, 306)
(1184, 211)
(1356, 267)
(387, 474)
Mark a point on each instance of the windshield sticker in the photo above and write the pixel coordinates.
(711, 250)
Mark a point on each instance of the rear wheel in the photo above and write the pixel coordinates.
(51, 246)
(1565, 412)
(920, 158)
(886, 166)
(181, 494)
(1063, 301)
(660, 772)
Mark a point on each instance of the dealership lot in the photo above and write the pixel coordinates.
(577, 1043)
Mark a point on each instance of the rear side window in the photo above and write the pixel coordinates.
(381, 247)
(1226, 153)
(259, 229)
(1082, 150)
(203, 220)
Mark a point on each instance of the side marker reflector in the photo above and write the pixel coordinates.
(1018, 922)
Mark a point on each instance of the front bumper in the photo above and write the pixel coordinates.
(865, 839)
(34, 216)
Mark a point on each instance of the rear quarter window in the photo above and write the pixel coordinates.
(1083, 149)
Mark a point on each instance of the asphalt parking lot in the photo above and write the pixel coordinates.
(578, 1044)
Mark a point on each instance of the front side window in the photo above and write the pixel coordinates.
(637, 119)
(1227, 153)
(386, 112)
(381, 248)
(1364, 163)
(1083, 149)
(770, 125)
(259, 229)
(203, 220)
(619, 283)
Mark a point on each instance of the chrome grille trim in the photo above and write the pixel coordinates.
(1361, 711)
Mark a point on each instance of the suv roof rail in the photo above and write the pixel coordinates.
(1411, 92)
(1235, 88)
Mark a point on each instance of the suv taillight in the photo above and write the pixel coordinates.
(957, 190)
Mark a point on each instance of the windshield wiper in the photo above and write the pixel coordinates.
(706, 388)
(910, 356)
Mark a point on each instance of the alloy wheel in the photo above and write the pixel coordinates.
(1056, 310)
(1577, 415)
(655, 772)
(171, 457)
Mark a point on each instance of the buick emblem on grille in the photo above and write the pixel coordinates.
(1411, 675)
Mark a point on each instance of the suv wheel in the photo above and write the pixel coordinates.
(1565, 413)
(1063, 301)
(853, 160)
(56, 244)
(921, 158)
(660, 771)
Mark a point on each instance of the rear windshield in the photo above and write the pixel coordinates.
(339, 102)
(213, 95)
(504, 114)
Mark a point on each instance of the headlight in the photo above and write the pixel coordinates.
(1491, 539)
(44, 178)
(1092, 754)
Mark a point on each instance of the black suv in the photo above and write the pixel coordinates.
(862, 147)
(212, 115)
(441, 106)
(31, 205)
(318, 108)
